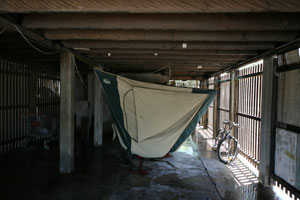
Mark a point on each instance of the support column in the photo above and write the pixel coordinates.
(98, 113)
(67, 102)
(216, 105)
(32, 92)
(266, 121)
(91, 99)
(204, 85)
(233, 99)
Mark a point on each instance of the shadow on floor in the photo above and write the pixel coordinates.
(110, 173)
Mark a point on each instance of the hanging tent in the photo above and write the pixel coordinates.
(152, 120)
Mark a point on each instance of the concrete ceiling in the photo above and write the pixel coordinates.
(145, 35)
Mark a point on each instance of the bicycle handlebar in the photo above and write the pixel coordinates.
(226, 122)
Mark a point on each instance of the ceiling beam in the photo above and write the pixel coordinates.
(170, 61)
(31, 36)
(155, 66)
(173, 68)
(169, 57)
(184, 78)
(169, 52)
(40, 41)
(152, 35)
(166, 62)
(149, 6)
(220, 21)
(168, 45)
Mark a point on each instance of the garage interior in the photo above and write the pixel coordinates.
(248, 51)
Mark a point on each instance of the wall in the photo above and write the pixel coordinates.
(287, 143)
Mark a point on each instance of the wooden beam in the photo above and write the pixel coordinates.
(168, 45)
(219, 21)
(154, 35)
(149, 6)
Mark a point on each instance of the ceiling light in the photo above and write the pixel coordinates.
(199, 67)
(108, 54)
(156, 54)
(184, 45)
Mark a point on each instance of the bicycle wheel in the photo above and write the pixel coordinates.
(227, 150)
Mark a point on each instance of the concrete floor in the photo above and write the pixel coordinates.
(109, 173)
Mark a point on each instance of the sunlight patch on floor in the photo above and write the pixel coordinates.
(242, 174)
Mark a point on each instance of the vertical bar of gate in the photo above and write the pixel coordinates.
(14, 109)
(1, 106)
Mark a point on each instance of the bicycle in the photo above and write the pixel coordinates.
(226, 145)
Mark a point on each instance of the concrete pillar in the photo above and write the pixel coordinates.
(98, 113)
(234, 84)
(266, 121)
(95, 95)
(216, 105)
(204, 85)
(67, 102)
(91, 99)
(32, 89)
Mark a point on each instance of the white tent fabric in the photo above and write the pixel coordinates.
(154, 116)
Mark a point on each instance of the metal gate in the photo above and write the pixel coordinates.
(249, 110)
(14, 99)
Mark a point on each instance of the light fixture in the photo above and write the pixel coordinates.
(156, 54)
(184, 45)
(108, 54)
(199, 67)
